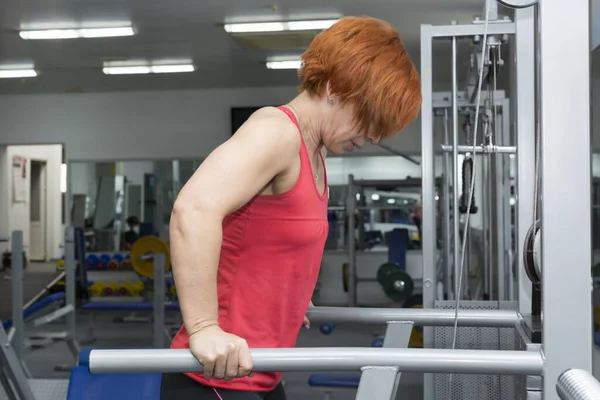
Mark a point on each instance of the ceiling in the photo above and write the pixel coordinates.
(187, 29)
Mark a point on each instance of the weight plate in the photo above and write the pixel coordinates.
(518, 3)
(398, 285)
(148, 245)
(385, 270)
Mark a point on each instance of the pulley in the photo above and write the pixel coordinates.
(531, 253)
(518, 3)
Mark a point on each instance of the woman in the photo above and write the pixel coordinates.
(248, 229)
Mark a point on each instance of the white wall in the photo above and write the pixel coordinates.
(17, 214)
(135, 171)
(150, 125)
(82, 175)
(143, 125)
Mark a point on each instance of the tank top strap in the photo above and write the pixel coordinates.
(306, 171)
(292, 116)
(303, 150)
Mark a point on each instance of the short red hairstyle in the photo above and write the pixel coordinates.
(367, 66)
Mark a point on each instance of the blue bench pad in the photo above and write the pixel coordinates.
(142, 306)
(341, 381)
(85, 386)
(36, 307)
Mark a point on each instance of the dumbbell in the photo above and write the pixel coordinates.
(110, 289)
(377, 342)
(115, 261)
(126, 263)
(326, 329)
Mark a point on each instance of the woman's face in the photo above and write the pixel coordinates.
(342, 134)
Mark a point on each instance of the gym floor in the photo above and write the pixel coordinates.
(108, 334)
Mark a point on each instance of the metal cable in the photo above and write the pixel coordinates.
(472, 188)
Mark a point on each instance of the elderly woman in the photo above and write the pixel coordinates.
(248, 229)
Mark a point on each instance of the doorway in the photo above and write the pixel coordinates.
(37, 204)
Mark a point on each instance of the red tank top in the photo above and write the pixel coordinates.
(270, 259)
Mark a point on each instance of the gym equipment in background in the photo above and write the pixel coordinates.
(395, 282)
(7, 260)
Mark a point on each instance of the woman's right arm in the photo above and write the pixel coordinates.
(228, 178)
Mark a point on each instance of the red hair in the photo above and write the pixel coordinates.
(366, 65)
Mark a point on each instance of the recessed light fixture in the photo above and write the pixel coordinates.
(47, 34)
(284, 62)
(17, 73)
(315, 25)
(133, 68)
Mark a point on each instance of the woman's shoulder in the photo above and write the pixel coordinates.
(273, 121)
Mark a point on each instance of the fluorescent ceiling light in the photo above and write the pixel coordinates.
(17, 73)
(148, 69)
(77, 33)
(290, 61)
(284, 64)
(316, 25)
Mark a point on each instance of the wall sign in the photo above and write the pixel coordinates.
(19, 178)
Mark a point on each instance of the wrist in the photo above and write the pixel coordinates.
(201, 327)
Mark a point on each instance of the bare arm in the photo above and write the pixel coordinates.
(228, 178)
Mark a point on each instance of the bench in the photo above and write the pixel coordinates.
(85, 386)
(35, 307)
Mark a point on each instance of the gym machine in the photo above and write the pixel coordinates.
(14, 375)
(41, 339)
(554, 115)
(563, 118)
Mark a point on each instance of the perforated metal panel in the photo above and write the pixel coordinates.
(475, 387)
(45, 389)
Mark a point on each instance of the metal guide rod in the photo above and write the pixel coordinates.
(490, 148)
(508, 246)
(446, 214)
(487, 274)
(498, 200)
(17, 292)
(420, 317)
(70, 278)
(328, 359)
(428, 221)
(455, 211)
(577, 384)
(525, 139)
(351, 207)
(159, 300)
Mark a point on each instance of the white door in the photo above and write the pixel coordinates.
(37, 204)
